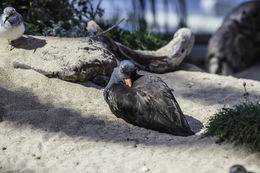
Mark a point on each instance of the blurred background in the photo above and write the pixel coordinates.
(164, 17)
(149, 24)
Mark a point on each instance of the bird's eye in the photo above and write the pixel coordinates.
(122, 70)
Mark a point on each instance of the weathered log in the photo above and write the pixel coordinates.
(80, 59)
(165, 59)
(235, 45)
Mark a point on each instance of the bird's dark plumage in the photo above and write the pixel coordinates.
(238, 169)
(149, 103)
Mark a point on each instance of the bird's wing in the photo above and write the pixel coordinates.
(125, 103)
(162, 95)
(15, 19)
(149, 104)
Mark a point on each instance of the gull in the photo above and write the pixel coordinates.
(11, 24)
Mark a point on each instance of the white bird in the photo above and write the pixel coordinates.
(11, 24)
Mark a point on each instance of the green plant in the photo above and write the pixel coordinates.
(84, 9)
(246, 94)
(239, 124)
(56, 18)
(68, 18)
(137, 40)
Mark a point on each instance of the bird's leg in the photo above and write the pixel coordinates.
(10, 42)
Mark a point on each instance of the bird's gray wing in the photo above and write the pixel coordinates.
(15, 19)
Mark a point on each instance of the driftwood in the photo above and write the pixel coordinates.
(235, 45)
(91, 58)
(109, 29)
(165, 59)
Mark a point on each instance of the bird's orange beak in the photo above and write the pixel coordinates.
(128, 82)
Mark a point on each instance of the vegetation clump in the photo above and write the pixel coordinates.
(64, 18)
(239, 124)
(68, 18)
(137, 40)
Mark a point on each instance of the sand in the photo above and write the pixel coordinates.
(50, 125)
(250, 73)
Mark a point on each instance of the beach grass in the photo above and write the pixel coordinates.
(239, 124)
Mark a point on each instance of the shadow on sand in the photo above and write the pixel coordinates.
(23, 108)
(28, 43)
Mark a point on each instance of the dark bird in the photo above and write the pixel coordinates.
(144, 101)
(238, 169)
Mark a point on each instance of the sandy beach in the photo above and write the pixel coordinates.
(50, 125)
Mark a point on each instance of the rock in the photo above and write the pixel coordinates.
(81, 59)
(71, 59)
(238, 169)
(235, 45)
(250, 73)
(93, 28)
(145, 169)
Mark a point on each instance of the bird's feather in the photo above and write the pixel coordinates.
(150, 104)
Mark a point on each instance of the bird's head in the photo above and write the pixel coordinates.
(127, 72)
(8, 13)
